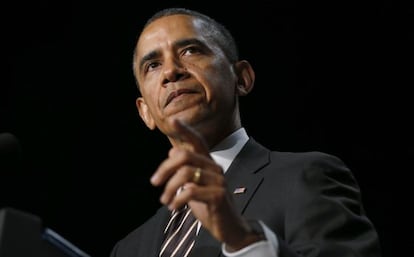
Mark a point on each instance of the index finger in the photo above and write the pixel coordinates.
(190, 138)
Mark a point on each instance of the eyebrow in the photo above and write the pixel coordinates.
(189, 41)
(151, 55)
(179, 43)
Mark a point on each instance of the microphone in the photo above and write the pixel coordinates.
(8, 144)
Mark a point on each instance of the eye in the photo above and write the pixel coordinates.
(191, 50)
(151, 65)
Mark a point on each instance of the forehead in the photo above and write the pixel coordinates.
(168, 29)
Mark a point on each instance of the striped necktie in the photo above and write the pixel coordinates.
(180, 233)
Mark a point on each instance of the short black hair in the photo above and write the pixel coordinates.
(219, 32)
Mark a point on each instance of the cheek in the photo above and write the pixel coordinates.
(221, 79)
(151, 97)
(215, 71)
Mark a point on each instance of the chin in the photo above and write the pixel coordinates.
(189, 116)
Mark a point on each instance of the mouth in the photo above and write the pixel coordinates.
(176, 93)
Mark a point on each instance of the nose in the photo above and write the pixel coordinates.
(174, 70)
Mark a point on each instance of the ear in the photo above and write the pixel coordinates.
(246, 77)
(145, 113)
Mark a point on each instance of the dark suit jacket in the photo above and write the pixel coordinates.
(310, 200)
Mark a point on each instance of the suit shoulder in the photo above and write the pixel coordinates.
(136, 241)
(296, 160)
(302, 157)
(310, 156)
(313, 166)
(306, 158)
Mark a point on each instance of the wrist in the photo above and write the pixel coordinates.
(252, 233)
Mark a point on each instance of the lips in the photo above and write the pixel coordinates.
(177, 93)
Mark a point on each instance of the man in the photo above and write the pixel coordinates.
(247, 200)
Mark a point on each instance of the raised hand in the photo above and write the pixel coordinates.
(192, 177)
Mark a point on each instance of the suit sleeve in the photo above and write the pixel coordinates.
(325, 216)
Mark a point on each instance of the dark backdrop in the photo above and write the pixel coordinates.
(85, 158)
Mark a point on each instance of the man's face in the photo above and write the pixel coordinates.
(184, 74)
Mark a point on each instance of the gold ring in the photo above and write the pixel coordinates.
(197, 175)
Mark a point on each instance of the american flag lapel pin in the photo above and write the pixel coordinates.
(239, 190)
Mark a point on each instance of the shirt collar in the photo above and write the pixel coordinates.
(225, 151)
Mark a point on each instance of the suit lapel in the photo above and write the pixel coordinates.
(243, 178)
(155, 246)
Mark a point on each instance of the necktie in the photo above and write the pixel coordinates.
(179, 234)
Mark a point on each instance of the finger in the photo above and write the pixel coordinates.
(182, 176)
(212, 196)
(190, 176)
(178, 158)
(187, 175)
(190, 138)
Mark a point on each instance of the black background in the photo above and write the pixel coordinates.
(323, 73)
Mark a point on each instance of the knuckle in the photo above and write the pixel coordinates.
(220, 181)
(190, 191)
